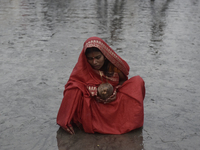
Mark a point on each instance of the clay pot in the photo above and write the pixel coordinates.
(105, 90)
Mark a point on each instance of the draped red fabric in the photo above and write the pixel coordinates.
(120, 116)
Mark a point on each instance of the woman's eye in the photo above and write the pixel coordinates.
(89, 58)
(98, 57)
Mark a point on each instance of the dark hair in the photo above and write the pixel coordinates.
(92, 49)
(105, 67)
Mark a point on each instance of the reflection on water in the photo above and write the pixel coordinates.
(85, 141)
(102, 15)
(158, 24)
(117, 21)
(54, 11)
(110, 18)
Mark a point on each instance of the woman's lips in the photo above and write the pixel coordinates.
(96, 67)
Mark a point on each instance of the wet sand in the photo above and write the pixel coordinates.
(40, 41)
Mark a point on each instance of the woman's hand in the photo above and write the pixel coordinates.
(99, 99)
(70, 130)
(111, 98)
(108, 100)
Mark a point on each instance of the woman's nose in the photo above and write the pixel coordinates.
(94, 61)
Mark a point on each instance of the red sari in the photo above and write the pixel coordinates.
(120, 116)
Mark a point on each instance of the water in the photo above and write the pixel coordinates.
(40, 41)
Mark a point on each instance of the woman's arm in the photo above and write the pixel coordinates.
(122, 78)
(67, 109)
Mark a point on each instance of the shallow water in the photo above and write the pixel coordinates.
(39, 45)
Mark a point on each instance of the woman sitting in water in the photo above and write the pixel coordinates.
(83, 105)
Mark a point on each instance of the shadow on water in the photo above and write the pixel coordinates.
(111, 19)
(158, 25)
(85, 141)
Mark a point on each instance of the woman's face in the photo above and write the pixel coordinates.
(95, 59)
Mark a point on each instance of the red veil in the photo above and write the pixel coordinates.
(120, 116)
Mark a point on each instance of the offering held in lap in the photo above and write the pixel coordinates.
(105, 90)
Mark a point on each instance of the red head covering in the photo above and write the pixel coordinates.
(84, 73)
(108, 53)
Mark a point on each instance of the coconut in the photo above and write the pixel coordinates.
(105, 90)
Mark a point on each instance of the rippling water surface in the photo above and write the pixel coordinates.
(40, 41)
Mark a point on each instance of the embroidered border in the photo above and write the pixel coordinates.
(108, 53)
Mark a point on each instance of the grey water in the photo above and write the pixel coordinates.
(40, 41)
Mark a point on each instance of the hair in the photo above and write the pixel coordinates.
(105, 67)
(92, 49)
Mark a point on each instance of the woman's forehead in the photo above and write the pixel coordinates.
(94, 54)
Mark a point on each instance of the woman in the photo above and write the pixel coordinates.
(118, 114)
